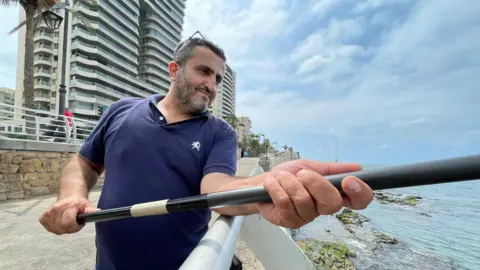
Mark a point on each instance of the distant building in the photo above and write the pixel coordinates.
(7, 96)
(244, 126)
(125, 53)
(225, 101)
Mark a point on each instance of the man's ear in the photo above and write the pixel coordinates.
(173, 70)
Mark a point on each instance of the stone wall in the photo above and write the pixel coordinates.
(27, 173)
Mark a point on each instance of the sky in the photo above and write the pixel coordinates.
(381, 81)
(387, 81)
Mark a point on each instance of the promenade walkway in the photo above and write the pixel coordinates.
(25, 244)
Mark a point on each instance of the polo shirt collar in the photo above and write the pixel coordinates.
(154, 99)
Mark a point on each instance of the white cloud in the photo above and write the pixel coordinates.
(416, 121)
(412, 74)
(368, 5)
(238, 29)
(322, 7)
(330, 47)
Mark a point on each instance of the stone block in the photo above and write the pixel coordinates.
(3, 187)
(17, 159)
(14, 186)
(8, 168)
(3, 197)
(38, 191)
(27, 166)
(7, 158)
(15, 195)
(28, 154)
(14, 178)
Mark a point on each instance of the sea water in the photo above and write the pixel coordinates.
(444, 226)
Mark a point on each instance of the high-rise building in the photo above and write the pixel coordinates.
(7, 96)
(116, 49)
(225, 101)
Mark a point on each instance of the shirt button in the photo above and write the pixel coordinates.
(161, 118)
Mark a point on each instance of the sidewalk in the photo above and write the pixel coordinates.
(25, 244)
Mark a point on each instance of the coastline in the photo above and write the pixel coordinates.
(349, 240)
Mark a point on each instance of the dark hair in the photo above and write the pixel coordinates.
(184, 50)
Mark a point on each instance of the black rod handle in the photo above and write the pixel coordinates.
(416, 174)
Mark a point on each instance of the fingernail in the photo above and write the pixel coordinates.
(354, 186)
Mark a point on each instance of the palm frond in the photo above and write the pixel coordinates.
(15, 29)
(8, 3)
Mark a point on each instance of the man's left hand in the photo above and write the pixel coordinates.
(300, 193)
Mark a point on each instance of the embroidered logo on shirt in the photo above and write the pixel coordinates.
(196, 145)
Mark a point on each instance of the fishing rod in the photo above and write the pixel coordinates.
(417, 174)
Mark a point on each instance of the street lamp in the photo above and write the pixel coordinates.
(53, 21)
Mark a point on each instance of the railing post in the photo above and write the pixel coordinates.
(215, 250)
(74, 126)
(37, 128)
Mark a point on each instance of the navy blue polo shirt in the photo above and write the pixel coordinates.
(146, 160)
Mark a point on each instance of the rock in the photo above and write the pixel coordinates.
(327, 255)
(350, 217)
(14, 186)
(27, 166)
(383, 238)
(17, 160)
(3, 187)
(8, 168)
(3, 197)
(14, 178)
(387, 198)
(36, 191)
(28, 154)
(15, 195)
(7, 158)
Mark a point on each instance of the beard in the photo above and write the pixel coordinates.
(185, 94)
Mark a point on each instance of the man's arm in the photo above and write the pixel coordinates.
(215, 182)
(78, 177)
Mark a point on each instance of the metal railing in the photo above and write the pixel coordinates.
(18, 123)
(272, 244)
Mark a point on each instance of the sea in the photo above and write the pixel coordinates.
(441, 232)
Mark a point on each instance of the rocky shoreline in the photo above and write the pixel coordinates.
(350, 241)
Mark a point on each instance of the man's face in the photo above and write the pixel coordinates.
(196, 83)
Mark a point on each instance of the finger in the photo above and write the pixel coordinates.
(329, 168)
(358, 195)
(48, 220)
(279, 197)
(69, 221)
(281, 213)
(302, 201)
(327, 198)
(57, 222)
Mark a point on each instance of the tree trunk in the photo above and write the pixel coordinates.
(28, 80)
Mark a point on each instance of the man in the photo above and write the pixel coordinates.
(170, 147)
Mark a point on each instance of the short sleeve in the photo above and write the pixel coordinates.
(222, 157)
(93, 149)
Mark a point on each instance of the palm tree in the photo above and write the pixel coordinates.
(33, 14)
(232, 120)
(32, 10)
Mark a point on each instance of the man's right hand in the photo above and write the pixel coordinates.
(61, 218)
